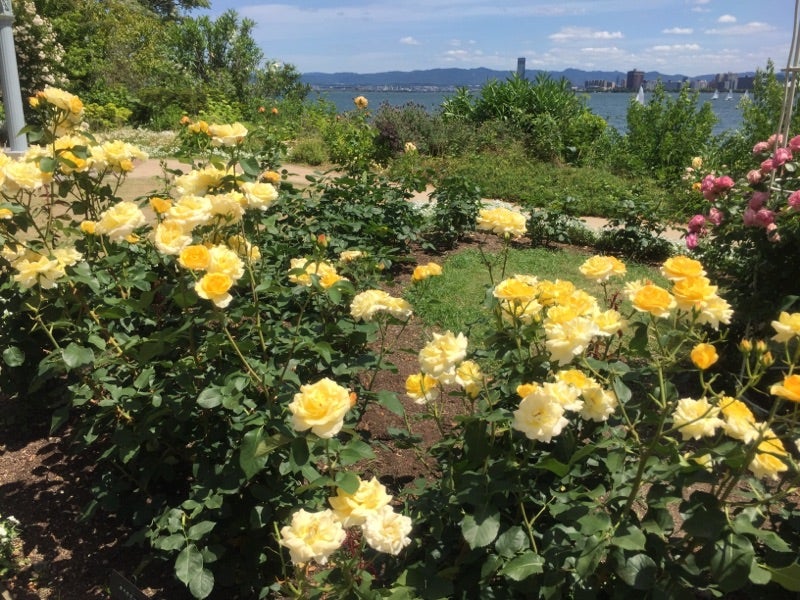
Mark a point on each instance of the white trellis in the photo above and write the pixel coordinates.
(791, 79)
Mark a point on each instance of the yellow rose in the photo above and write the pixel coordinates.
(228, 207)
(361, 102)
(119, 221)
(601, 268)
(653, 299)
(598, 404)
(740, 423)
(704, 355)
(353, 509)
(214, 287)
(312, 536)
(680, 267)
(199, 127)
(526, 389)
(421, 388)
(693, 292)
(387, 531)
(697, 162)
(195, 257)
(191, 211)
(243, 248)
(321, 407)
(768, 460)
(259, 195)
(23, 175)
(789, 389)
(347, 256)
(514, 289)
(200, 181)
(89, 227)
(37, 269)
(576, 378)
(224, 260)
(272, 177)
(160, 205)
(5, 213)
(539, 417)
(228, 134)
(117, 156)
(552, 292)
(424, 271)
(62, 99)
(170, 238)
(440, 357)
(609, 322)
(501, 221)
(786, 327)
(470, 377)
(696, 419)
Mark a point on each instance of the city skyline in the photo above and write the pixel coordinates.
(690, 37)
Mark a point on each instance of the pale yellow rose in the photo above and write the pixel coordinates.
(387, 531)
(224, 260)
(514, 289)
(321, 407)
(361, 102)
(539, 417)
(62, 99)
(566, 394)
(697, 162)
(195, 257)
(680, 267)
(214, 287)
(347, 256)
(200, 181)
(598, 404)
(119, 221)
(67, 256)
(229, 207)
(768, 462)
(567, 340)
(353, 509)
(470, 377)
(227, 134)
(312, 536)
(715, 310)
(191, 211)
(259, 195)
(696, 419)
(501, 221)
(37, 269)
(740, 422)
(117, 156)
(552, 292)
(601, 268)
(199, 127)
(575, 378)
(243, 248)
(170, 238)
(609, 322)
(23, 175)
(439, 357)
(323, 270)
(786, 327)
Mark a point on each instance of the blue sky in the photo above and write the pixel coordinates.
(689, 37)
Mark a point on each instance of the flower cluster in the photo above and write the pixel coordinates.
(369, 304)
(315, 536)
(34, 268)
(501, 221)
(443, 361)
(303, 271)
(321, 407)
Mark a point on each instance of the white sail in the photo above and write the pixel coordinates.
(715, 96)
(729, 96)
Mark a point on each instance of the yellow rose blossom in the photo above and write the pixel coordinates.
(199, 181)
(609, 322)
(470, 377)
(323, 270)
(37, 269)
(567, 340)
(501, 221)
(439, 357)
(697, 162)
(552, 292)
(160, 205)
(215, 287)
(353, 509)
(740, 423)
(190, 211)
(387, 531)
(6, 213)
(786, 327)
(321, 407)
(575, 378)
(312, 536)
(768, 461)
(560, 314)
(539, 417)
(514, 289)
(601, 268)
(224, 260)
(243, 248)
(653, 299)
(788, 389)
(598, 404)
(119, 221)
(89, 227)
(347, 256)
(525, 389)
(693, 292)
(361, 102)
(272, 177)
(424, 271)
(170, 237)
(582, 302)
(421, 388)
(259, 195)
(199, 127)
(227, 134)
(680, 267)
(566, 394)
(229, 208)
(715, 310)
(696, 419)
(195, 257)
(23, 175)
(704, 355)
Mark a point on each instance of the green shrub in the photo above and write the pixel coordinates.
(107, 116)
(455, 209)
(310, 151)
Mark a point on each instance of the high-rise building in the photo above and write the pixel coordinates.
(634, 79)
(521, 67)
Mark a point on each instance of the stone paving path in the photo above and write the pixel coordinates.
(147, 176)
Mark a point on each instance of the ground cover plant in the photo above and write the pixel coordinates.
(217, 346)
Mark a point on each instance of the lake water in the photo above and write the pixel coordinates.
(612, 107)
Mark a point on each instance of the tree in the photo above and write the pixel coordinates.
(171, 9)
(39, 55)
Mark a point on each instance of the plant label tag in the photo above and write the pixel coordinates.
(122, 589)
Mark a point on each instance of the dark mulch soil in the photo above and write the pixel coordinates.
(47, 487)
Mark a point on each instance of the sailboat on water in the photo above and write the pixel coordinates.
(715, 96)
(745, 96)
(729, 96)
(640, 96)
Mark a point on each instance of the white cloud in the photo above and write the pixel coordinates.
(462, 55)
(678, 30)
(607, 51)
(584, 33)
(676, 48)
(726, 19)
(745, 29)
(409, 41)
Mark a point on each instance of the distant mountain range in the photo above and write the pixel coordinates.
(449, 78)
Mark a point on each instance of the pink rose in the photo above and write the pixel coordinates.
(692, 240)
(774, 140)
(781, 157)
(707, 184)
(757, 200)
(749, 217)
(723, 184)
(764, 217)
(794, 143)
(794, 200)
(696, 223)
(767, 166)
(760, 148)
(754, 176)
(715, 216)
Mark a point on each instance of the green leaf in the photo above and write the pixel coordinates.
(210, 397)
(390, 401)
(511, 542)
(347, 481)
(48, 165)
(13, 356)
(250, 166)
(75, 356)
(523, 566)
(630, 538)
(480, 529)
(256, 447)
(759, 575)
(553, 465)
(730, 562)
(198, 530)
(354, 451)
(639, 571)
(787, 577)
(188, 563)
(201, 585)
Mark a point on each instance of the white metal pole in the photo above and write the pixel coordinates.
(9, 81)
